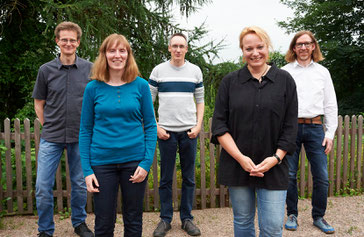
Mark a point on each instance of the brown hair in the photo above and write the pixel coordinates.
(100, 69)
(316, 54)
(259, 32)
(67, 25)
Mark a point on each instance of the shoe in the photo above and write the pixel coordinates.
(322, 224)
(83, 231)
(291, 223)
(44, 234)
(162, 229)
(190, 228)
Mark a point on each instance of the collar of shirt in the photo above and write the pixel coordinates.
(246, 75)
(296, 64)
(60, 65)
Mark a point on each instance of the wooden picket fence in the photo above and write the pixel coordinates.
(20, 147)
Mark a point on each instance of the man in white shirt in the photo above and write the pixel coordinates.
(317, 106)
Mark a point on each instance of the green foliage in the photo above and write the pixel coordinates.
(339, 27)
(277, 58)
(27, 39)
(65, 214)
(3, 212)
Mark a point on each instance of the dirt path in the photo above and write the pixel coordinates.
(346, 214)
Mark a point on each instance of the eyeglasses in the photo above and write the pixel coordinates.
(65, 41)
(176, 46)
(306, 44)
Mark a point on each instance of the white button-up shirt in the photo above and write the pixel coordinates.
(316, 94)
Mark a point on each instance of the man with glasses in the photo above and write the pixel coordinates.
(58, 94)
(316, 102)
(178, 84)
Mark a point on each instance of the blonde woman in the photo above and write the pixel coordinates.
(255, 121)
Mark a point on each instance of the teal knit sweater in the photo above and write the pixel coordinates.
(117, 125)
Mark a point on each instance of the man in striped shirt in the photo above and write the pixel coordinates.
(179, 86)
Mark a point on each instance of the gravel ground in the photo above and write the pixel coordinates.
(346, 214)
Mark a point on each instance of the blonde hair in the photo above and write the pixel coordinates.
(316, 53)
(100, 69)
(259, 32)
(67, 25)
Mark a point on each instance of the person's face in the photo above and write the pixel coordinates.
(304, 48)
(67, 42)
(116, 57)
(255, 51)
(178, 48)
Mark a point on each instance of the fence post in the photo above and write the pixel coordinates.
(346, 151)
(339, 133)
(1, 187)
(359, 151)
(9, 171)
(352, 150)
(28, 166)
(19, 166)
(203, 167)
(212, 170)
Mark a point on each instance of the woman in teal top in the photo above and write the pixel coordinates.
(117, 137)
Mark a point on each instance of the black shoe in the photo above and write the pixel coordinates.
(44, 234)
(83, 231)
(162, 229)
(190, 228)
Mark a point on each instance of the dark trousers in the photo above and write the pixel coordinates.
(187, 153)
(110, 177)
(311, 135)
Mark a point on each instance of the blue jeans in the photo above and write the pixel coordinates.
(311, 135)
(270, 204)
(49, 156)
(110, 177)
(187, 154)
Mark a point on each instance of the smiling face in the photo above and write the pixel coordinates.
(255, 51)
(116, 57)
(67, 42)
(303, 49)
(178, 48)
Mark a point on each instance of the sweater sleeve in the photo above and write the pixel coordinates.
(150, 127)
(153, 84)
(199, 91)
(86, 129)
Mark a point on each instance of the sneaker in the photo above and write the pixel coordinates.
(83, 231)
(190, 228)
(162, 229)
(322, 224)
(44, 234)
(291, 223)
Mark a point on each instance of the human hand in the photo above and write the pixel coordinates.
(248, 165)
(193, 132)
(162, 133)
(328, 143)
(264, 166)
(92, 184)
(139, 175)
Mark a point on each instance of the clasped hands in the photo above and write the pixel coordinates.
(257, 170)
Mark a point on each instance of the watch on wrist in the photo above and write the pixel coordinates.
(278, 158)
